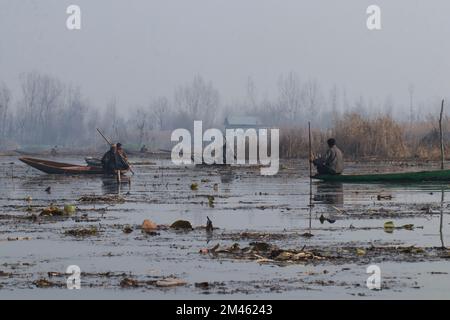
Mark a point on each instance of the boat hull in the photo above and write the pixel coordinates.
(422, 176)
(52, 167)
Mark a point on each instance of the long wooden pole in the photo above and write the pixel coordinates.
(441, 220)
(106, 139)
(441, 135)
(310, 149)
(310, 176)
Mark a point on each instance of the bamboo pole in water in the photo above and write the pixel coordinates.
(310, 176)
(441, 220)
(441, 136)
(310, 151)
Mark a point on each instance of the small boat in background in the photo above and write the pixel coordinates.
(93, 162)
(421, 176)
(53, 167)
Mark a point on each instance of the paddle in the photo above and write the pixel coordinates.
(123, 159)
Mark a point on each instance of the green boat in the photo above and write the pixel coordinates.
(422, 176)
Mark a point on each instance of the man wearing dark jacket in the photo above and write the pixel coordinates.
(113, 161)
(333, 162)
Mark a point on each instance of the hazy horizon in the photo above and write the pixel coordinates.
(137, 50)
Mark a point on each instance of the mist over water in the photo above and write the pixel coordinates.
(138, 51)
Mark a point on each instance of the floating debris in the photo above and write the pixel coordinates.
(5, 274)
(18, 238)
(211, 201)
(261, 246)
(307, 235)
(52, 212)
(149, 226)
(181, 225)
(170, 282)
(107, 199)
(127, 230)
(194, 187)
(202, 285)
(360, 252)
(129, 283)
(322, 219)
(267, 253)
(93, 231)
(209, 225)
(69, 209)
(389, 227)
(44, 283)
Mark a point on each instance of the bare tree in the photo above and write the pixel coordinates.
(334, 102)
(252, 99)
(72, 117)
(290, 100)
(160, 109)
(142, 122)
(5, 99)
(113, 122)
(41, 97)
(313, 98)
(198, 100)
(411, 90)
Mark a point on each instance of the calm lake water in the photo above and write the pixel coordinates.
(244, 201)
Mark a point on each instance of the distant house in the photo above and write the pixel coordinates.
(242, 122)
(245, 123)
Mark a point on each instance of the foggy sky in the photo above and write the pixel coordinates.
(137, 49)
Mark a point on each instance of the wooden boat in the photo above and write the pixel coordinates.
(52, 167)
(93, 162)
(32, 153)
(421, 176)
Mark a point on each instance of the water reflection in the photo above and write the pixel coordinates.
(226, 175)
(330, 193)
(110, 185)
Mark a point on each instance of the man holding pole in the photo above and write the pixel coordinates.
(112, 161)
(115, 160)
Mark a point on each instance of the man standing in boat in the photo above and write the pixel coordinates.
(332, 163)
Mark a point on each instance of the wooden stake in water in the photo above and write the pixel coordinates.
(441, 136)
(310, 151)
(310, 177)
(441, 220)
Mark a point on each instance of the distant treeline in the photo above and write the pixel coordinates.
(47, 111)
(379, 138)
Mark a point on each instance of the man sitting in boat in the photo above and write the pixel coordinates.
(332, 162)
(144, 149)
(113, 161)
